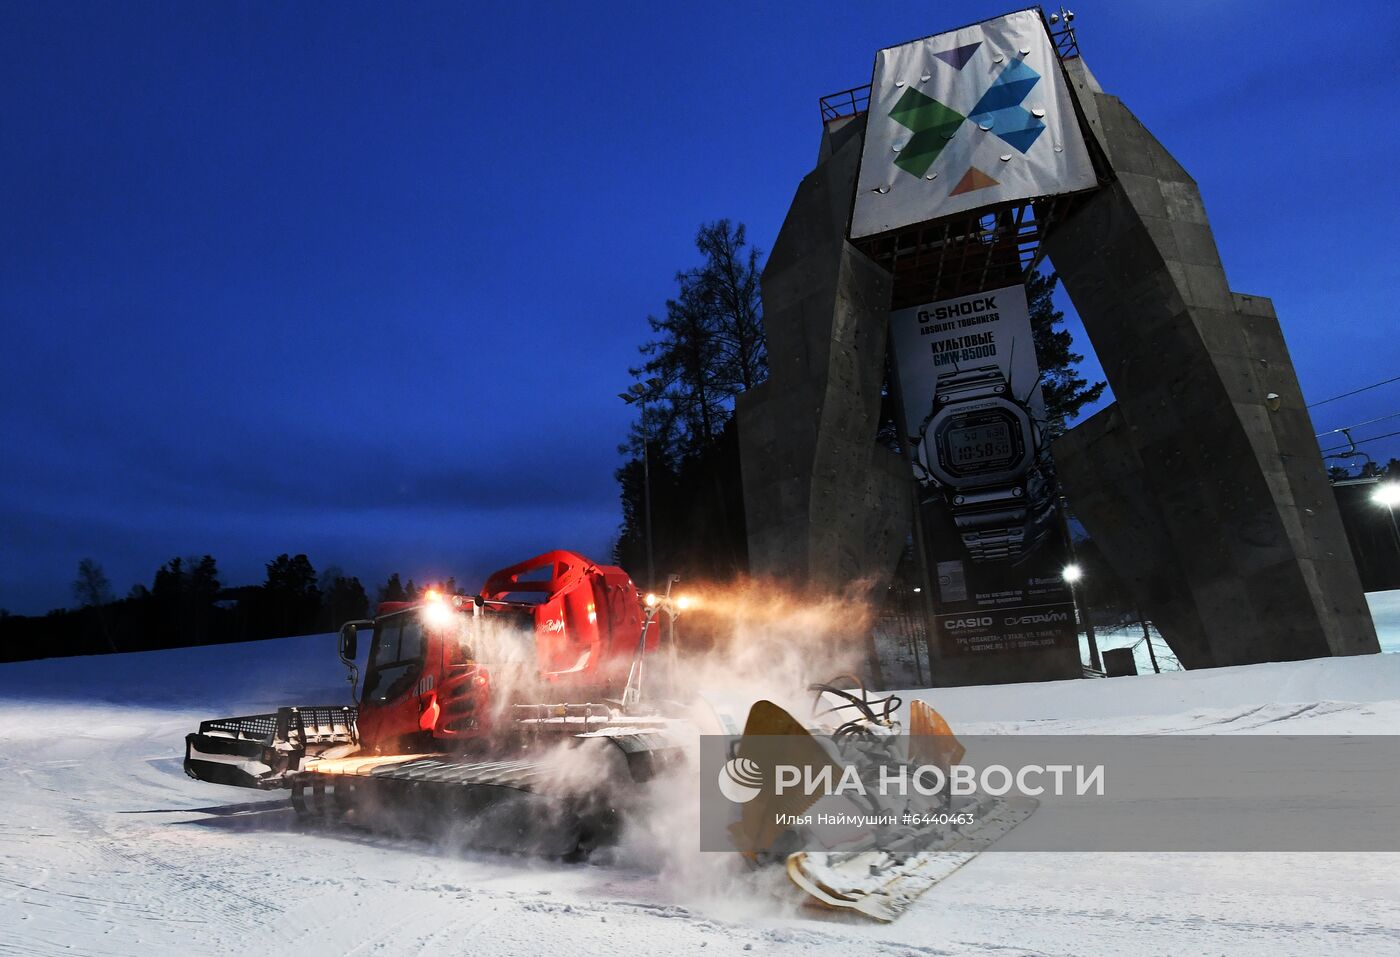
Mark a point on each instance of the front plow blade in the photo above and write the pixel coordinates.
(257, 750)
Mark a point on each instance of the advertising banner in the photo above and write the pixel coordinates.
(967, 119)
(974, 420)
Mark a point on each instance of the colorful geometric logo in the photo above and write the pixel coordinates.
(932, 124)
(973, 179)
(998, 111)
(957, 59)
(1000, 107)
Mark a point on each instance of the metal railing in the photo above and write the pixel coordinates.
(852, 102)
(1066, 43)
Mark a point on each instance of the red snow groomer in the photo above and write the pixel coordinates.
(533, 687)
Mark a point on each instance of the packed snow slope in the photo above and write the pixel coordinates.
(1385, 612)
(107, 848)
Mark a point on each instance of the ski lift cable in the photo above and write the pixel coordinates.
(1374, 438)
(1366, 388)
(1358, 425)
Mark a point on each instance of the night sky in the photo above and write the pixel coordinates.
(364, 283)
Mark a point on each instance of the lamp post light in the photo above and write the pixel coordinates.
(638, 394)
(1147, 637)
(1387, 495)
(1072, 575)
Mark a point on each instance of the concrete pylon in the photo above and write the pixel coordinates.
(826, 507)
(1203, 483)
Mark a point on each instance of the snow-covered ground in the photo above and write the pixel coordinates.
(897, 653)
(107, 848)
(1385, 612)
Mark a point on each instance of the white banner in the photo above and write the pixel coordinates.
(949, 341)
(966, 119)
(974, 414)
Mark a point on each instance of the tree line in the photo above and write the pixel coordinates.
(188, 604)
(706, 348)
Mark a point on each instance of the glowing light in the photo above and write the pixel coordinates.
(1387, 494)
(1072, 573)
(917, 590)
(683, 602)
(651, 601)
(432, 594)
(437, 614)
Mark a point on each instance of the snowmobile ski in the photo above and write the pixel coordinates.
(882, 884)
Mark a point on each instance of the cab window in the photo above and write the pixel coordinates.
(395, 658)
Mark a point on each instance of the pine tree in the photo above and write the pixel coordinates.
(168, 606)
(707, 349)
(169, 584)
(344, 599)
(1064, 389)
(392, 590)
(728, 284)
(709, 346)
(291, 575)
(201, 591)
(292, 594)
(203, 580)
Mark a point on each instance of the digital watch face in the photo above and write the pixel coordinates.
(974, 443)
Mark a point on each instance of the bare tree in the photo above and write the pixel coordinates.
(92, 590)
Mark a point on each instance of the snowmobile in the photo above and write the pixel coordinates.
(906, 843)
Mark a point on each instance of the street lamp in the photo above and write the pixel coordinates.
(1387, 495)
(1072, 574)
(638, 394)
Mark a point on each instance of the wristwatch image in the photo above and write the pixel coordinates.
(979, 447)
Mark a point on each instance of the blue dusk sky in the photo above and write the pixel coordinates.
(363, 280)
